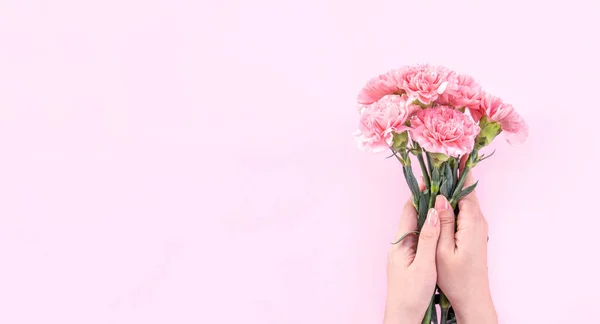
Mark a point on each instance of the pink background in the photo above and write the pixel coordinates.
(192, 161)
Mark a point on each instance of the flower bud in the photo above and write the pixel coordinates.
(489, 131)
(399, 141)
(438, 158)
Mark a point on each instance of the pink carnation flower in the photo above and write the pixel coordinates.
(513, 126)
(380, 120)
(424, 82)
(444, 130)
(462, 92)
(380, 86)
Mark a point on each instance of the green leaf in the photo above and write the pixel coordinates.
(449, 177)
(423, 208)
(451, 316)
(466, 191)
(449, 189)
(444, 188)
(424, 170)
(413, 185)
(429, 162)
(435, 175)
(455, 164)
(405, 235)
(434, 314)
(484, 157)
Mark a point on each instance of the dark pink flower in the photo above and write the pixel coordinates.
(445, 130)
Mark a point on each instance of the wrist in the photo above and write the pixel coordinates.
(402, 316)
(481, 311)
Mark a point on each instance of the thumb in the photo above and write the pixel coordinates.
(428, 238)
(446, 216)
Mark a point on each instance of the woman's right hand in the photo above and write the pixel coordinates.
(462, 260)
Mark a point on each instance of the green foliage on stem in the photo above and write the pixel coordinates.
(429, 163)
(434, 317)
(470, 163)
(426, 177)
(417, 150)
(454, 164)
(405, 235)
(435, 185)
(413, 185)
(449, 176)
(463, 193)
(423, 207)
(444, 188)
(444, 306)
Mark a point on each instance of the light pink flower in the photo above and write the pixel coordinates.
(380, 120)
(424, 82)
(513, 126)
(462, 92)
(379, 86)
(444, 130)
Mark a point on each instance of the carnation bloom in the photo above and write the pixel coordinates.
(444, 130)
(380, 86)
(380, 120)
(424, 82)
(513, 126)
(462, 92)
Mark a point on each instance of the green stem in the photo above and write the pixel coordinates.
(419, 156)
(429, 162)
(424, 169)
(463, 177)
(445, 306)
(444, 315)
(461, 183)
(432, 200)
(435, 185)
(427, 317)
(405, 235)
(413, 185)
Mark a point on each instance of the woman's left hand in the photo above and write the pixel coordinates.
(411, 270)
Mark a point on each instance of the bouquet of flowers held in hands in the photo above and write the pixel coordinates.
(442, 118)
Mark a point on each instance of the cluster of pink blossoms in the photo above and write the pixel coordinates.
(440, 109)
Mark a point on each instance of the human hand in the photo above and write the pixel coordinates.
(411, 270)
(462, 260)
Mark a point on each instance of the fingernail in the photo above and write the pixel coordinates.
(432, 217)
(441, 203)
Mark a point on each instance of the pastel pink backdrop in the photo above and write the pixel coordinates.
(192, 161)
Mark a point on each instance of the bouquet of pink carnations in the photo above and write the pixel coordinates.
(442, 118)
